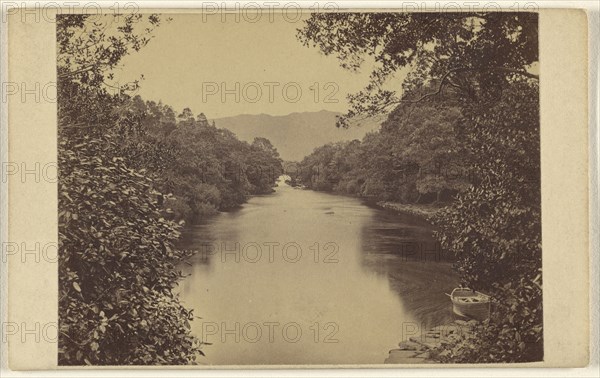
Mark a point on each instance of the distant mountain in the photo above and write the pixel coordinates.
(294, 135)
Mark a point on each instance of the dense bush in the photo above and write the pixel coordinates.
(212, 170)
(494, 228)
(117, 264)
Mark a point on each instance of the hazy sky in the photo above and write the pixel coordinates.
(195, 59)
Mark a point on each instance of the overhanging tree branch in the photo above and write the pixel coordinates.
(517, 72)
(446, 80)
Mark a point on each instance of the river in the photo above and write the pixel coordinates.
(303, 277)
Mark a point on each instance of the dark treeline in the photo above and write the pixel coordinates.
(416, 157)
(203, 169)
(130, 172)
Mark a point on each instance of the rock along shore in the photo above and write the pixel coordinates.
(417, 349)
(423, 211)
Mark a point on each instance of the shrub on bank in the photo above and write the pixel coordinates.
(116, 265)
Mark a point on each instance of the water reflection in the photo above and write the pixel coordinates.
(401, 247)
(300, 277)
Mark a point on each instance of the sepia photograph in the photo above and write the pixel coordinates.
(284, 187)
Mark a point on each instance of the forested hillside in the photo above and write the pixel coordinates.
(205, 168)
(416, 157)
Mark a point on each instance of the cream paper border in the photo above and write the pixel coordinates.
(32, 210)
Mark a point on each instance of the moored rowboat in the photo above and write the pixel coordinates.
(470, 303)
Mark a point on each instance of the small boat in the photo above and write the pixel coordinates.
(470, 303)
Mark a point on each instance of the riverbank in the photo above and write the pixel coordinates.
(425, 211)
(418, 349)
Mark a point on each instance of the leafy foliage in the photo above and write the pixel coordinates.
(116, 260)
(494, 228)
(206, 169)
(415, 157)
(473, 53)
(117, 264)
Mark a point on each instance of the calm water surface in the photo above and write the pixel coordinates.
(301, 277)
